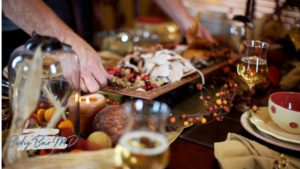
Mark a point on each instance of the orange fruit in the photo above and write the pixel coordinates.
(49, 113)
(37, 117)
(65, 124)
(76, 151)
(41, 112)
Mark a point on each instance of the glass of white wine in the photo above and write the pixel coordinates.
(144, 144)
(253, 68)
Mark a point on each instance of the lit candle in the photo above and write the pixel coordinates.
(89, 106)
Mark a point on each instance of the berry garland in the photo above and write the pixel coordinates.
(215, 111)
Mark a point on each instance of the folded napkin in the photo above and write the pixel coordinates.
(291, 80)
(239, 152)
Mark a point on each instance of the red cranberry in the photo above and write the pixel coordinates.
(196, 121)
(148, 83)
(144, 87)
(42, 105)
(120, 86)
(123, 75)
(131, 80)
(153, 85)
(183, 116)
(174, 128)
(138, 77)
(112, 72)
(226, 109)
(109, 68)
(6, 119)
(207, 97)
(106, 96)
(168, 128)
(118, 70)
(211, 109)
(117, 74)
(214, 106)
(113, 102)
(48, 101)
(199, 86)
(219, 119)
(146, 77)
(148, 87)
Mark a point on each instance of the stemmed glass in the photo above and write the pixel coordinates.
(144, 144)
(253, 68)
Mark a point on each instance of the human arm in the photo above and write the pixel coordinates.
(176, 10)
(35, 15)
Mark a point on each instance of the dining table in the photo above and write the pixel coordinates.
(187, 154)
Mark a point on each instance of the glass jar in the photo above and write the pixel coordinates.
(60, 77)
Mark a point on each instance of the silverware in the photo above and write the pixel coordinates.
(114, 85)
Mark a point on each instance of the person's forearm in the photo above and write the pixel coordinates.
(35, 15)
(176, 10)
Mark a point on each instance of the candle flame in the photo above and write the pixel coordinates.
(87, 100)
(76, 97)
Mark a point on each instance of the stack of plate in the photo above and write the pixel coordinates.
(262, 126)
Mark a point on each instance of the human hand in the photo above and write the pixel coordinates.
(92, 73)
(205, 33)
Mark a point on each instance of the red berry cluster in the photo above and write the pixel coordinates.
(214, 110)
(129, 78)
(111, 101)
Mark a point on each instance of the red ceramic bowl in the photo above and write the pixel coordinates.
(284, 109)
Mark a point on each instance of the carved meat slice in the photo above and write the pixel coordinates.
(162, 70)
(148, 67)
(177, 69)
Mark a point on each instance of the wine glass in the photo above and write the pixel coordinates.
(295, 35)
(253, 67)
(144, 144)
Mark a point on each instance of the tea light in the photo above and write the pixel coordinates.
(89, 106)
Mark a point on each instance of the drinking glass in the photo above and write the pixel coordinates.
(144, 144)
(253, 68)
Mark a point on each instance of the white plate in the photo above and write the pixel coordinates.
(263, 136)
(263, 121)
